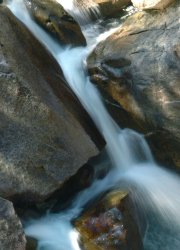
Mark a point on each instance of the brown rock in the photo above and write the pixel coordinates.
(138, 67)
(105, 8)
(53, 18)
(112, 8)
(45, 134)
(109, 224)
(32, 243)
(11, 232)
(151, 4)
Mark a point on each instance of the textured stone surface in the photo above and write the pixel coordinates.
(104, 8)
(110, 224)
(53, 18)
(44, 131)
(139, 68)
(151, 4)
(11, 233)
(112, 8)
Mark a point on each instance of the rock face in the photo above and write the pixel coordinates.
(53, 18)
(112, 8)
(44, 131)
(151, 4)
(109, 224)
(105, 8)
(138, 67)
(11, 232)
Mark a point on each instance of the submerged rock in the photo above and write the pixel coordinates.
(109, 224)
(53, 18)
(45, 134)
(11, 232)
(138, 68)
(151, 4)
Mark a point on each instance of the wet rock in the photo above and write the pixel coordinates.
(53, 18)
(62, 198)
(45, 134)
(151, 4)
(112, 8)
(32, 244)
(103, 8)
(11, 232)
(138, 68)
(109, 224)
(86, 11)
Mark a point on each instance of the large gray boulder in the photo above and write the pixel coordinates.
(11, 232)
(138, 67)
(45, 134)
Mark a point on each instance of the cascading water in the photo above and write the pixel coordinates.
(81, 10)
(157, 190)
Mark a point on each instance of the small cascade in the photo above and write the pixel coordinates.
(83, 11)
(153, 189)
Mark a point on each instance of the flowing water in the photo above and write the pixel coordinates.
(81, 10)
(154, 190)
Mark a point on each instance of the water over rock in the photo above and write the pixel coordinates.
(53, 18)
(11, 232)
(45, 134)
(151, 4)
(32, 244)
(106, 8)
(109, 224)
(112, 8)
(138, 68)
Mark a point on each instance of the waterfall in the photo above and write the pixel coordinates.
(156, 190)
(83, 11)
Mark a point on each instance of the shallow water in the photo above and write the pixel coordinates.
(154, 190)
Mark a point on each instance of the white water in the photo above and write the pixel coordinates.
(155, 190)
(81, 10)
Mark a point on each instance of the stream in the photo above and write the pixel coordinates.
(156, 190)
